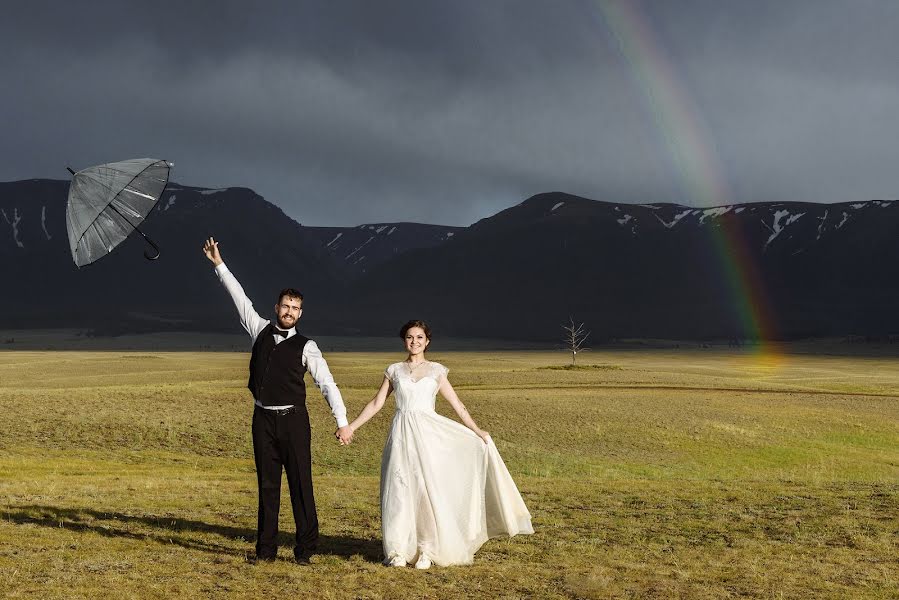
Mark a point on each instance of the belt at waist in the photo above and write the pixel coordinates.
(280, 411)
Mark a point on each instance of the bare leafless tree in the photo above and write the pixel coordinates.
(575, 337)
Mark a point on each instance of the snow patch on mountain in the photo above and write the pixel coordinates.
(169, 203)
(713, 212)
(558, 205)
(364, 244)
(650, 206)
(392, 229)
(845, 218)
(739, 210)
(210, 192)
(821, 225)
(336, 237)
(15, 225)
(674, 221)
(794, 218)
(776, 227)
(859, 205)
(44, 221)
(380, 229)
(624, 220)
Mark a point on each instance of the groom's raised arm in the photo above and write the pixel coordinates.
(249, 318)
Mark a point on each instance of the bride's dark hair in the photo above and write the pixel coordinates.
(415, 323)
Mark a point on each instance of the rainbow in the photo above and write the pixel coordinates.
(694, 159)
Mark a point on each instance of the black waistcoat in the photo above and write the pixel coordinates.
(276, 370)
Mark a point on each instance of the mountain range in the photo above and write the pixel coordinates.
(778, 270)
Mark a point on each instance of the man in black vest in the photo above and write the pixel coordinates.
(281, 433)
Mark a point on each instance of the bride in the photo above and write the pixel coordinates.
(444, 488)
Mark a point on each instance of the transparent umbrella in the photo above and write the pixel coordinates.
(107, 202)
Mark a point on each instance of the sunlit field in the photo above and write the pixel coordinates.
(677, 473)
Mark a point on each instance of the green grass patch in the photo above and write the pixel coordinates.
(651, 474)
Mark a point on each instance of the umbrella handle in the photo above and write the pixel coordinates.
(149, 241)
(143, 235)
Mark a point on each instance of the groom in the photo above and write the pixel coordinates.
(281, 433)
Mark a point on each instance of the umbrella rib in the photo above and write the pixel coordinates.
(141, 194)
(101, 235)
(143, 235)
(124, 206)
(133, 226)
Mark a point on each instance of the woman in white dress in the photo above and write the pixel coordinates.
(444, 488)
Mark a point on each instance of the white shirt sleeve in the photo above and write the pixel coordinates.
(249, 318)
(318, 368)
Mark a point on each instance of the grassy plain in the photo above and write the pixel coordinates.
(658, 473)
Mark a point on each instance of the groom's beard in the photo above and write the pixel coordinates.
(286, 324)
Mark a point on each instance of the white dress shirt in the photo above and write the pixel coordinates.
(312, 356)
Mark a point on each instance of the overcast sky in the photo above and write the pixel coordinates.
(448, 111)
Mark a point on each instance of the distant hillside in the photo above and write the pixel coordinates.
(656, 270)
(124, 292)
(358, 249)
(782, 270)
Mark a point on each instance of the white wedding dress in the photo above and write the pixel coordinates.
(444, 492)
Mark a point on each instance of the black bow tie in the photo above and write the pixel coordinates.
(280, 332)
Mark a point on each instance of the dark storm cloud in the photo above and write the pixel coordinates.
(343, 113)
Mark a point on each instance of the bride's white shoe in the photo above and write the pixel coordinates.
(397, 561)
(423, 561)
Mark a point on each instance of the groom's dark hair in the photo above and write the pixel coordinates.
(290, 293)
(415, 323)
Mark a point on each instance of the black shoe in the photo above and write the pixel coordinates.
(253, 559)
(302, 559)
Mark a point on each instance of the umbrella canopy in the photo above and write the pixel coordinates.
(107, 202)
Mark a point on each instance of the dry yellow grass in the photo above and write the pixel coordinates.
(696, 474)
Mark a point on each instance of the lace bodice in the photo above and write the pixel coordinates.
(415, 386)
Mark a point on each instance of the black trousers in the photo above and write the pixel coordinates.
(284, 441)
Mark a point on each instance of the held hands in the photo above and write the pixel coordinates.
(344, 435)
(211, 249)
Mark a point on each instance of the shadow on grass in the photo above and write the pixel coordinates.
(175, 530)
